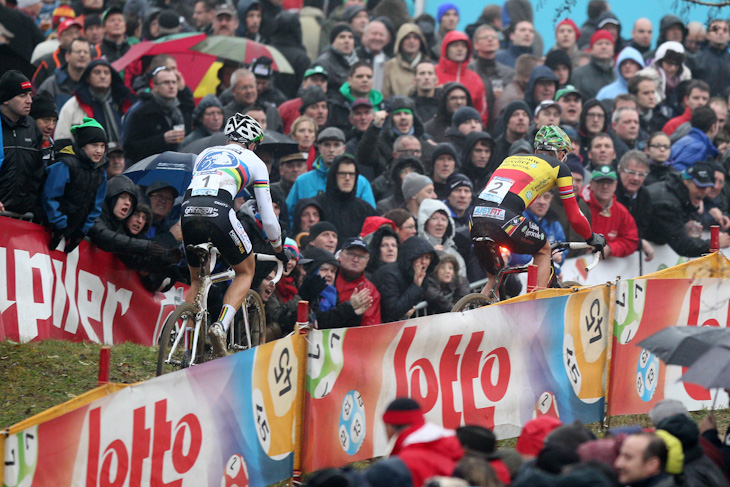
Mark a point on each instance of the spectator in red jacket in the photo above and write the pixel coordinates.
(455, 55)
(610, 217)
(426, 449)
(354, 258)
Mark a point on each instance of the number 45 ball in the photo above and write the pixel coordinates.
(352, 423)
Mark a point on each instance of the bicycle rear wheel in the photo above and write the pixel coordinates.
(471, 301)
(183, 317)
(254, 308)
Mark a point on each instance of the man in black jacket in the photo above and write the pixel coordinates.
(631, 192)
(675, 204)
(157, 125)
(712, 62)
(341, 206)
(402, 284)
(22, 171)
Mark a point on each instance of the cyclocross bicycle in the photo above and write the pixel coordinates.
(182, 342)
(498, 292)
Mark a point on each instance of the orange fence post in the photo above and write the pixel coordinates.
(302, 328)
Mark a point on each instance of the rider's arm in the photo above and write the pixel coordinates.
(260, 177)
(576, 218)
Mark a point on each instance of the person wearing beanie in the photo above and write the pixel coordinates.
(44, 112)
(465, 121)
(115, 44)
(93, 30)
(426, 449)
(323, 235)
(532, 437)
(561, 65)
(289, 110)
(101, 94)
(67, 31)
(62, 83)
(338, 56)
(391, 182)
(567, 34)
(416, 188)
(456, 51)
(516, 120)
(444, 162)
(590, 78)
(75, 186)
(22, 168)
(207, 119)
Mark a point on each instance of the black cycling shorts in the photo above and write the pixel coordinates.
(212, 219)
(508, 229)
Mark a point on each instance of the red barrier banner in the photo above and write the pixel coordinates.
(87, 294)
(643, 307)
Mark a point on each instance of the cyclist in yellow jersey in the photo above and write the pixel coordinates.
(514, 185)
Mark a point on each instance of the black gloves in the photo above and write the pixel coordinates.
(156, 250)
(283, 256)
(598, 241)
(173, 255)
(312, 286)
(73, 239)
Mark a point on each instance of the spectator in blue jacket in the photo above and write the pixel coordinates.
(697, 144)
(76, 185)
(628, 63)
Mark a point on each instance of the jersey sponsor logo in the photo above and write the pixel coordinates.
(489, 212)
(216, 160)
(236, 241)
(220, 203)
(205, 211)
(533, 232)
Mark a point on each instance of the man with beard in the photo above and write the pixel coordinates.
(517, 118)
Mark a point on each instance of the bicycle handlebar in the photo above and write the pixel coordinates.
(578, 246)
(279, 265)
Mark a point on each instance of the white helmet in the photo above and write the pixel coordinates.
(243, 129)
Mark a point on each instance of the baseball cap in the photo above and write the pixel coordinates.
(603, 172)
(331, 133)
(547, 103)
(361, 102)
(566, 90)
(113, 146)
(702, 174)
(262, 67)
(358, 242)
(225, 9)
(69, 23)
(111, 11)
(158, 185)
(316, 70)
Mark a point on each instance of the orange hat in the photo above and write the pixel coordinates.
(62, 13)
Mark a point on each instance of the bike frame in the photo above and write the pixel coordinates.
(205, 280)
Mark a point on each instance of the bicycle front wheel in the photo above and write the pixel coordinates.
(471, 301)
(171, 354)
(254, 309)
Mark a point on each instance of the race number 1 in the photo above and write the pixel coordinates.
(205, 184)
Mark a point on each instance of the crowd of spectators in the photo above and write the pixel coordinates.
(673, 452)
(394, 125)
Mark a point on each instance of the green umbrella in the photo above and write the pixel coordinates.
(243, 51)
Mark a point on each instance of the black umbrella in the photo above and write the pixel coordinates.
(712, 369)
(278, 144)
(683, 345)
(172, 167)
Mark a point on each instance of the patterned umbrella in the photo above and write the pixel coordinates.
(242, 50)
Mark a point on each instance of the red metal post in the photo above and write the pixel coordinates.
(531, 278)
(303, 314)
(714, 238)
(104, 356)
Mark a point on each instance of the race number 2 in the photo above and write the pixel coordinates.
(496, 189)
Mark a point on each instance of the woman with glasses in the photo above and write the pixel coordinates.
(658, 148)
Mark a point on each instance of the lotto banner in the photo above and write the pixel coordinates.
(643, 307)
(223, 423)
(498, 366)
(87, 294)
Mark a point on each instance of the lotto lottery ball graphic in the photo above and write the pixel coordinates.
(352, 423)
(324, 362)
(546, 405)
(235, 474)
(647, 374)
(630, 297)
(21, 458)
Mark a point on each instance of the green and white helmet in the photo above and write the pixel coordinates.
(552, 137)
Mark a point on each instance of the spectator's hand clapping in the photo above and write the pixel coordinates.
(708, 423)
(361, 301)
(173, 255)
(380, 117)
(156, 250)
(648, 249)
(724, 240)
(311, 287)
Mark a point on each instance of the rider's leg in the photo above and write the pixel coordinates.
(194, 284)
(489, 286)
(241, 283)
(542, 261)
